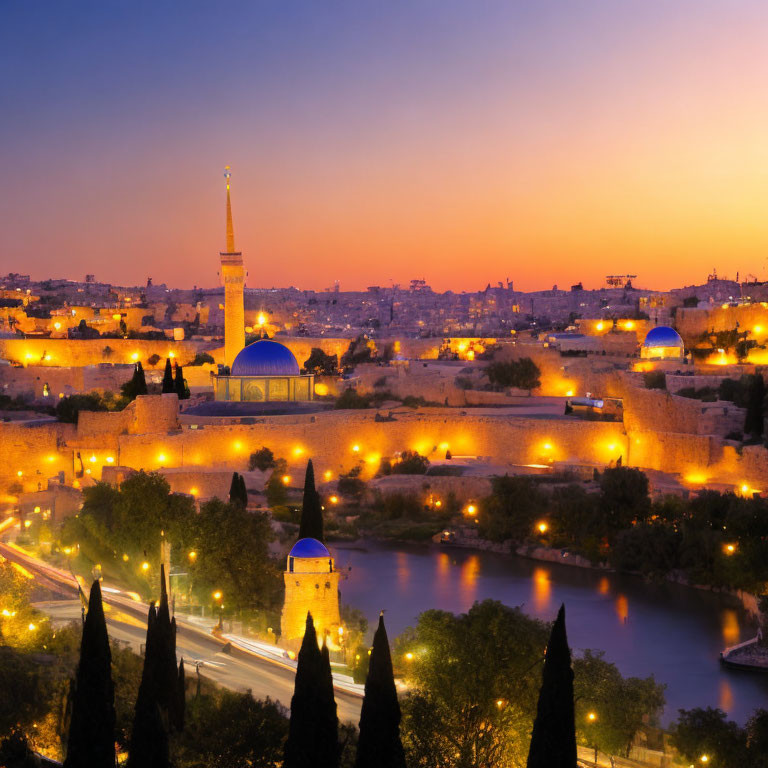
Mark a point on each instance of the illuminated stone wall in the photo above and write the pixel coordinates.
(311, 587)
(62, 381)
(691, 323)
(146, 415)
(330, 438)
(79, 352)
(37, 452)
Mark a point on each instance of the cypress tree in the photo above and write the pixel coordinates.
(243, 492)
(181, 698)
(91, 742)
(234, 489)
(149, 738)
(168, 383)
(754, 419)
(311, 513)
(379, 744)
(553, 743)
(140, 387)
(159, 706)
(179, 387)
(313, 739)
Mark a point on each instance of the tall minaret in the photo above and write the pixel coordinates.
(232, 275)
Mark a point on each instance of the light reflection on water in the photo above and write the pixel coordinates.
(666, 630)
(542, 589)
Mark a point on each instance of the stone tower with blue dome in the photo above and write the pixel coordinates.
(311, 585)
(264, 372)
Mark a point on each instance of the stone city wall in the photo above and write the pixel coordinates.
(37, 451)
(691, 322)
(30, 381)
(81, 352)
(330, 438)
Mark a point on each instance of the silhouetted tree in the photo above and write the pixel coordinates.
(320, 363)
(168, 383)
(379, 744)
(159, 706)
(179, 385)
(136, 385)
(553, 742)
(181, 699)
(237, 490)
(313, 729)
(91, 742)
(243, 491)
(311, 513)
(234, 489)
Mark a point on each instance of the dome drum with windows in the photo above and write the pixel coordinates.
(265, 371)
(662, 343)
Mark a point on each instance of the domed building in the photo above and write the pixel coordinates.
(263, 372)
(311, 585)
(662, 343)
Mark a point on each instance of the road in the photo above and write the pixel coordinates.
(237, 669)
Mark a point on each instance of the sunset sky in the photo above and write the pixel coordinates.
(462, 142)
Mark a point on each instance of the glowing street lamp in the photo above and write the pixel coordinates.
(471, 510)
(192, 556)
(542, 527)
(409, 656)
(145, 566)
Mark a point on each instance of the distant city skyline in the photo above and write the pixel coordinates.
(548, 144)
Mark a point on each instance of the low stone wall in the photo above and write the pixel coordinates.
(434, 487)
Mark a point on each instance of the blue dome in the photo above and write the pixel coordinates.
(663, 336)
(265, 358)
(309, 548)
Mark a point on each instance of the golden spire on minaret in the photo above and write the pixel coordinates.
(233, 277)
(230, 227)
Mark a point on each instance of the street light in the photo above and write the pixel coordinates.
(217, 596)
(145, 566)
(543, 527)
(591, 718)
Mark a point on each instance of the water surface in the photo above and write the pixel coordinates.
(672, 632)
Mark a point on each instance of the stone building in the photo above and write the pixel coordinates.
(311, 585)
(263, 372)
